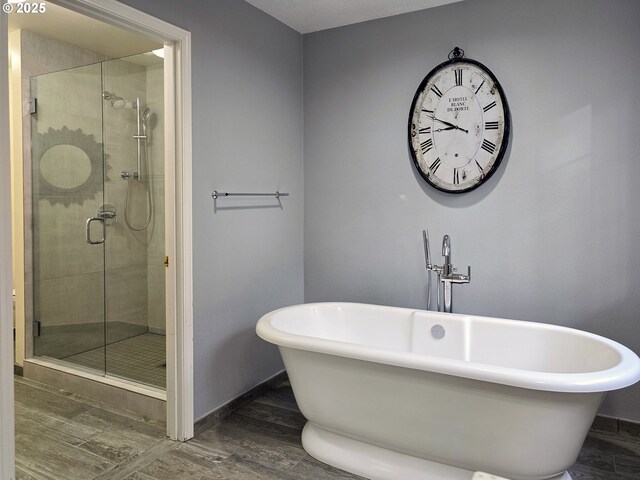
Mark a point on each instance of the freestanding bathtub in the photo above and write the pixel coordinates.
(395, 393)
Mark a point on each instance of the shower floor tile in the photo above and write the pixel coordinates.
(58, 341)
(141, 358)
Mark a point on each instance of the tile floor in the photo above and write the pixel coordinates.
(59, 341)
(141, 358)
(62, 436)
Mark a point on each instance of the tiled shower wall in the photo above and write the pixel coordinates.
(126, 249)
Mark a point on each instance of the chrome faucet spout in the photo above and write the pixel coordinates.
(446, 253)
(446, 246)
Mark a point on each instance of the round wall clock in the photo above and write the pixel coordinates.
(458, 125)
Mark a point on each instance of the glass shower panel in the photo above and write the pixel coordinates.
(98, 218)
(134, 249)
(67, 181)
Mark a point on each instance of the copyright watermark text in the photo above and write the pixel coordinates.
(24, 7)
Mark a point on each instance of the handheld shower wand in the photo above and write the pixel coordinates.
(427, 263)
(430, 268)
(139, 137)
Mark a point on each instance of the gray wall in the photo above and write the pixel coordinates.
(247, 135)
(553, 236)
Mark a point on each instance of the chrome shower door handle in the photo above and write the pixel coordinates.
(88, 231)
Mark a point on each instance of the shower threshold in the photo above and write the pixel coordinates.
(51, 371)
(106, 390)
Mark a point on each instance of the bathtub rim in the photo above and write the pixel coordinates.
(624, 374)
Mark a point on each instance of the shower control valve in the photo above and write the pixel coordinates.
(127, 175)
(108, 214)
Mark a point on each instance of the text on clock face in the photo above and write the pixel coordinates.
(458, 104)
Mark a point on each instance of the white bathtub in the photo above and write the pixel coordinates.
(385, 399)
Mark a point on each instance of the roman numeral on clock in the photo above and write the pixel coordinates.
(458, 72)
(428, 112)
(434, 166)
(489, 107)
(479, 87)
(479, 167)
(456, 176)
(488, 146)
(436, 90)
(490, 125)
(425, 130)
(426, 145)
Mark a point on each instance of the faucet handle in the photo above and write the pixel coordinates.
(457, 277)
(462, 278)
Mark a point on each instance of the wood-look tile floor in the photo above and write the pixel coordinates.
(62, 436)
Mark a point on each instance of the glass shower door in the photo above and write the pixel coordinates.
(134, 254)
(67, 182)
(98, 218)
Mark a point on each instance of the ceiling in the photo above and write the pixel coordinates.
(308, 16)
(304, 16)
(67, 26)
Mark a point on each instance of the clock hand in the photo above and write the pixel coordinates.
(449, 124)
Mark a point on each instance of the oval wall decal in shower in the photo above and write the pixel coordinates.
(69, 166)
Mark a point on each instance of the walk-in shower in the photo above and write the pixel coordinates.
(98, 234)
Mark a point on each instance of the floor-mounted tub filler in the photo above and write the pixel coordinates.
(395, 393)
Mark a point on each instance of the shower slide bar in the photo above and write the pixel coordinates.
(275, 194)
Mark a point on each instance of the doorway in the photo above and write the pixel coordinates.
(177, 235)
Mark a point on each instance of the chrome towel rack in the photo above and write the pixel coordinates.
(275, 194)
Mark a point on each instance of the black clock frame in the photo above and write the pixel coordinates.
(507, 123)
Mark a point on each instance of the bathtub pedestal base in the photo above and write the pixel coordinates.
(377, 463)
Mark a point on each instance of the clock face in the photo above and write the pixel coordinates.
(458, 126)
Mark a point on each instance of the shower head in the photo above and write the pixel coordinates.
(116, 101)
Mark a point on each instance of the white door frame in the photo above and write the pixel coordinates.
(180, 404)
(7, 455)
